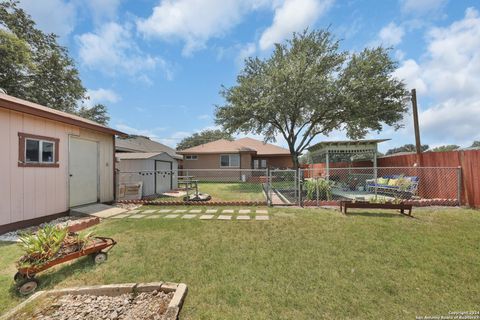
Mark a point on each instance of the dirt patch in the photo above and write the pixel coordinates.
(145, 305)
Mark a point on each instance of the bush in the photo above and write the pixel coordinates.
(323, 186)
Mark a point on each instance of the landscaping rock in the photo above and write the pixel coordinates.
(145, 305)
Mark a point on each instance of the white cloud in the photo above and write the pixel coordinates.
(292, 16)
(151, 133)
(52, 16)
(195, 21)
(102, 10)
(449, 76)
(391, 34)
(101, 96)
(204, 117)
(246, 51)
(422, 6)
(112, 49)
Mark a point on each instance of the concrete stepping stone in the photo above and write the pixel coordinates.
(154, 216)
(179, 211)
(244, 211)
(195, 211)
(137, 216)
(262, 218)
(211, 211)
(189, 216)
(134, 211)
(165, 210)
(120, 216)
(149, 211)
(206, 217)
(243, 217)
(223, 217)
(228, 211)
(171, 216)
(262, 211)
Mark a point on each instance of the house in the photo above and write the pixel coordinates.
(135, 143)
(157, 172)
(245, 153)
(51, 161)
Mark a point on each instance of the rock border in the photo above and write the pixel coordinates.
(173, 308)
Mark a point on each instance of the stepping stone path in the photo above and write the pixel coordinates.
(200, 214)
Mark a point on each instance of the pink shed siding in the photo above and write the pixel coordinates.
(33, 192)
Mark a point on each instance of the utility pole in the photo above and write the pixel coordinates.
(418, 145)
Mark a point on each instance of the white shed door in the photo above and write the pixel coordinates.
(163, 181)
(83, 165)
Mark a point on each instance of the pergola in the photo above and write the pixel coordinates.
(326, 150)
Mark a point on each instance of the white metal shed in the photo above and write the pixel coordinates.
(158, 172)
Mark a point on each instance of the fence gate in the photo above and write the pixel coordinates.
(284, 187)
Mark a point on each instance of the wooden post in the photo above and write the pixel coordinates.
(418, 145)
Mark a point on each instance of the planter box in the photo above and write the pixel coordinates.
(344, 205)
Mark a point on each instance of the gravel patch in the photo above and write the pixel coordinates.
(146, 305)
(127, 206)
(13, 236)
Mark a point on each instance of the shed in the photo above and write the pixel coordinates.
(51, 161)
(157, 171)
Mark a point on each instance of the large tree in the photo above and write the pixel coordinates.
(202, 137)
(33, 66)
(309, 87)
(407, 148)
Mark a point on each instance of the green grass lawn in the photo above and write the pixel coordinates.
(302, 264)
(226, 191)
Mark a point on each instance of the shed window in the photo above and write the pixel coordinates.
(37, 151)
(230, 160)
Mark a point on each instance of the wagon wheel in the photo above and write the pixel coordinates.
(100, 257)
(28, 286)
(18, 277)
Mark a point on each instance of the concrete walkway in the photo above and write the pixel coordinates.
(225, 214)
(98, 210)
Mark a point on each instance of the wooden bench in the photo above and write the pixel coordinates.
(344, 205)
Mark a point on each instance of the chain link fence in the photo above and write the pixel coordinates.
(309, 187)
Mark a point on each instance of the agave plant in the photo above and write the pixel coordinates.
(42, 246)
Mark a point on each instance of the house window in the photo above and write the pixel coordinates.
(259, 163)
(191, 157)
(37, 151)
(230, 160)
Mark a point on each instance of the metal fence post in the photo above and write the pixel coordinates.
(269, 198)
(459, 186)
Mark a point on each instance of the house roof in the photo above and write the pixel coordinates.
(236, 146)
(24, 106)
(143, 144)
(138, 155)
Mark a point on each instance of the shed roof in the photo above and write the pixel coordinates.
(24, 106)
(134, 143)
(138, 155)
(236, 146)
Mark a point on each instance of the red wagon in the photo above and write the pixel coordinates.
(98, 249)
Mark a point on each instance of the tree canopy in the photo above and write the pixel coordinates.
(204, 136)
(475, 144)
(448, 147)
(309, 87)
(407, 148)
(34, 67)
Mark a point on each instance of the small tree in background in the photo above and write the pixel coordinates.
(308, 87)
(448, 147)
(407, 148)
(203, 137)
(475, 144)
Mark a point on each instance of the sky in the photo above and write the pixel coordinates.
(159, 65)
